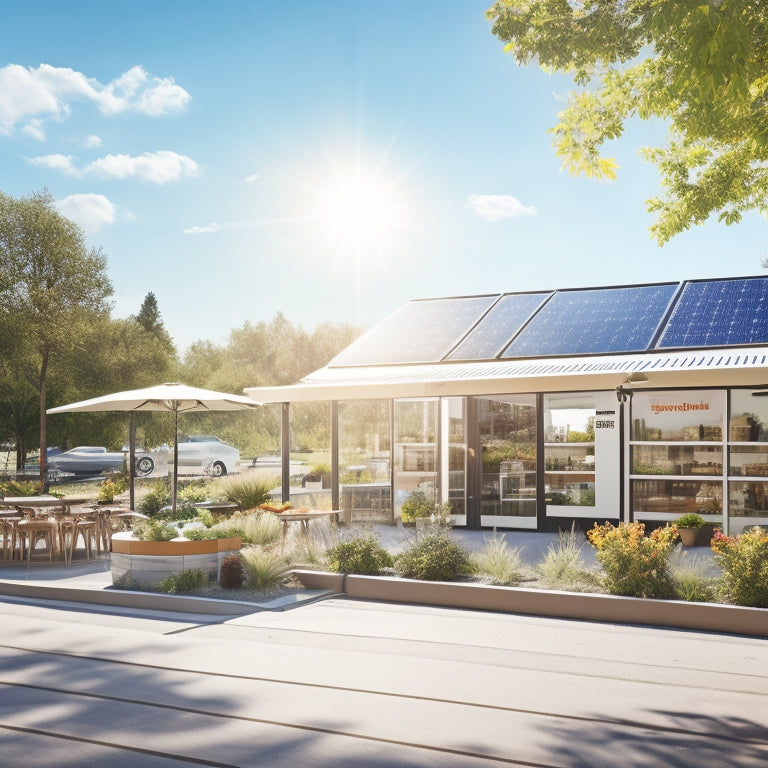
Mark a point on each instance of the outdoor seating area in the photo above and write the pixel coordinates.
(49, 529)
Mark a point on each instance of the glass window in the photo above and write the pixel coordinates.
(310, 431)
(749, 416)
(365, 484)
(687, 415)
(747, 499)
(677, 460)
(507, 426)
(415, 449)
(569, 450)
(671, 497)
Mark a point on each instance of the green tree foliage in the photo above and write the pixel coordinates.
(51, 289)
(701, 67)
(150, 320)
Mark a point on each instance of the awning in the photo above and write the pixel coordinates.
(740, 366)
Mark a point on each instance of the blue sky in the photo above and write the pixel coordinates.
(330, 160)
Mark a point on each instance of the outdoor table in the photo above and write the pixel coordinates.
(43, 502)
(305, 518)
(217, 508)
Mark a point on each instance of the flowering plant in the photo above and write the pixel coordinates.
(744, 560)
(635, 565)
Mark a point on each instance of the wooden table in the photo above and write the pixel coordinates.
(305, 518)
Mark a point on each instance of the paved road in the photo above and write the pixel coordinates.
(343, 683)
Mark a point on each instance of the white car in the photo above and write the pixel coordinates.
(207, 455)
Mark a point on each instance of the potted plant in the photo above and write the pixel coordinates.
(688, 528)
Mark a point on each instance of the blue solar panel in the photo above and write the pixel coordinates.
(719, 313)
(594, 321)
(419, 332)
(501, 323)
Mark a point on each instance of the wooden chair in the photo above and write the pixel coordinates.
(32, 531)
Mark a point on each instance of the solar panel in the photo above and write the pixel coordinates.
(714, 313)
(594, 321)
(419, 332)
(502, 322)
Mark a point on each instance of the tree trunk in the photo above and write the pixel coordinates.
(43, 428)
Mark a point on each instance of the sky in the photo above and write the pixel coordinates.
(328, 160)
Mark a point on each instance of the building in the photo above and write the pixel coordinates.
(540, 409)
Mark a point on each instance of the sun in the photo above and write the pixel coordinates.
(357, 212)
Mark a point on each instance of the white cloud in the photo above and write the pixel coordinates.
(27, 94)
(214, 227)
(158, 167)
(61, 163)
(253, 177)
(91, 211)
(497, 207)
(93, 141)
(35, 129)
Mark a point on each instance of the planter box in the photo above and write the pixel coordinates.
(149, 562)
(705, 617)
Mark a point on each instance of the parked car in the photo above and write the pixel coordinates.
(93, 460)
(205, 454)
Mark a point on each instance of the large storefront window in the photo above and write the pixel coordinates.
(677, 454)
(453, 469)
(569, 451)
(507, 426)
(415, 449)
(310, 435)
(748, 459)
(365, 483)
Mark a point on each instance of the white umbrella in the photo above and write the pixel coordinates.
(173, 398)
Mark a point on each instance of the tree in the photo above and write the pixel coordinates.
(150, 320)
(51, 289)
(701, 67)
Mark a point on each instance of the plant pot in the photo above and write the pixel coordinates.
(688, 536)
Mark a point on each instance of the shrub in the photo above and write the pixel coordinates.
(183, 583)
(563, 566)
(263, 570)
(362, 555)
(207, 534)
(157, 497)
(690, 520)
(248, 494)
(232, 575)
(110, 488)
(21, 487)
(500, 562)
(744, 560)
(691, 577)
(418, 504)
(157, 530)
(434, 557)
(635, 565)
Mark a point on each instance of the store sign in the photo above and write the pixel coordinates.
(677, 407)
(605, 419)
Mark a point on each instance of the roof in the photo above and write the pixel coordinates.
(694, 333)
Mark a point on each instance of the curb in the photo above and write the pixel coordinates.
(677, 614)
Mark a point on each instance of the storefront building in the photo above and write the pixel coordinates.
(537, 410)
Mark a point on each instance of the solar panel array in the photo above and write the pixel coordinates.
(692, 315)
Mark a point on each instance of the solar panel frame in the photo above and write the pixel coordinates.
(529, 303)
(722, 312)
(589, 321)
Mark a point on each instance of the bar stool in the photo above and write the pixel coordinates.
(67, 533)
(87, 529)
(33, 530)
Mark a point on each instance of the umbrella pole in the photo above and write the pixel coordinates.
(175, 459)
(131, 456)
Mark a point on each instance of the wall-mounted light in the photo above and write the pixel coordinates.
(623, 394)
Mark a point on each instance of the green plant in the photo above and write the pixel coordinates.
(157, 497)
(21, 488)
(563, 566)
(183, 583)
(263, 570)
(156, 530)
(126, 581)
(208, 534)
(635, 565)
(434, 557)
(418, 504)
(690, 520)
(499, 562)
(362, 555)
(691, 577)
(249, 493)
(232, 575)
(744, 560)
(110, 488)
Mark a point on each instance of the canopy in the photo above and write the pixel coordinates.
(174, 398)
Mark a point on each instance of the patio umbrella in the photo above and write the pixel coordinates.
(172, 398)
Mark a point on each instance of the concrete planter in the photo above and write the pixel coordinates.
(149, 562)
(706, 617)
